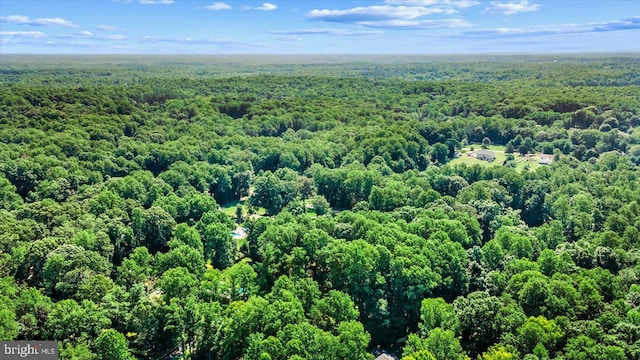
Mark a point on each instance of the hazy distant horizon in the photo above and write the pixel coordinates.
(340, 57)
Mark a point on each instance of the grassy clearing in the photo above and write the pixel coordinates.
(520, 163)
(491, 147)
(230, 209)
(468, 160)
(526, 164)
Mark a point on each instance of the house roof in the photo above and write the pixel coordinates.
(484, 152)
(384, 357)
(545, 159)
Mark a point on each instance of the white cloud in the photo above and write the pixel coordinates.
(448, 7)
(510, 8)
(115, 37)
(332, 32)
(147, 2)
(267, 7)
(218, 43)
(88, 35)
(435, 3)
(218, 6)
(154, 2)
(386, 16)
(183, 40)
(23, 34)
(263, 7)
(419, 24)
(290, 38)
(25, 20)
(106, 28)
(632, 23)
(371, 13)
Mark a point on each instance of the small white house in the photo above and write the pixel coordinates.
(486, 155)
(545, 159)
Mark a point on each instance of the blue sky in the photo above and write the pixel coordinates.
(318, 27)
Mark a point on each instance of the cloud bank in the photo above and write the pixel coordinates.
(332, 32)
(460, 4)
(263, 7)
(510, 8)
(387, 16)
(106, 28)
(632, 23)
(218, 6)
(267, 7)
(25, 20)
(23, 34)
(148, 2)
(155, 2)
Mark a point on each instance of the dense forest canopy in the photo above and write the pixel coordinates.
(300, 208)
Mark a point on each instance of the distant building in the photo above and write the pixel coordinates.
(545, 159)
(385, 357)
(486, 155)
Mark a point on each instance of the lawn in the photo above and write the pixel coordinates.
(230, 209)
(520, 163)
(530, 164)
(466, 159)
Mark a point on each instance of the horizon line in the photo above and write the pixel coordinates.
(504, 53)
